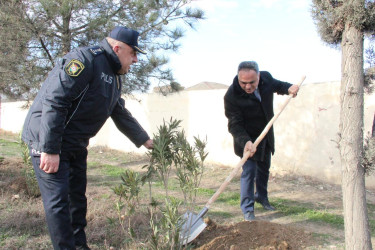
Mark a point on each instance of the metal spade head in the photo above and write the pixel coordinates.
(192, 227)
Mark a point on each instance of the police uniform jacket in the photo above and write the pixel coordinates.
(248, 116)
(76, 99)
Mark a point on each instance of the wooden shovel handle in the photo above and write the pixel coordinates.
(247, 154)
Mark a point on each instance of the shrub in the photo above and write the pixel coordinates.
(32, 188)
(171, 149)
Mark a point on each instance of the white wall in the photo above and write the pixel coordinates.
(306, 133)
(12, 116)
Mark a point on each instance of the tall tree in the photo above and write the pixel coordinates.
(42, 31)
(13, 50)
(343, 23)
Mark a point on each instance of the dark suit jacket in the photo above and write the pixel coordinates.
(247, 116)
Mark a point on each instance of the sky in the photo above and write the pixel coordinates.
(280, 35)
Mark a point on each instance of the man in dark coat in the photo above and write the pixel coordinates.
(80, 93)
(248, 106)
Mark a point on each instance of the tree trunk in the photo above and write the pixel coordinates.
(357, 235)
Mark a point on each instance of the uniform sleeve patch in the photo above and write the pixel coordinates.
(74, 68)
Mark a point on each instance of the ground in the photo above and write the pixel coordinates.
(272, 229)
(226, 228)
(252, 235)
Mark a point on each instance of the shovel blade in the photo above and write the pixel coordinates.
(192, 227)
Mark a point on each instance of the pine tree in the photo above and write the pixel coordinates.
(37, 33)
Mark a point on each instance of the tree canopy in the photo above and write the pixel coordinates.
(37, 33)
(331, 16)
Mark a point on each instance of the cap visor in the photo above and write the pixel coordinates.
(139, 50)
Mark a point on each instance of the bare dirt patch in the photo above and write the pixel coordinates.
(9, 175)
(252, 235)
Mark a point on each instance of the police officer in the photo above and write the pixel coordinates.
(80, 93)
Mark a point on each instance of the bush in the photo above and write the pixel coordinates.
(171, 149)
(32, 188)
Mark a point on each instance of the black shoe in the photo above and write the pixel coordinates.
(249, 216)
(266, 204)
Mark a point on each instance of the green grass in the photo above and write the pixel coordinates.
(230, 198)
(108, 155)
(108, 169)
(300, 210)
(9, 148)
(371, 211)
(303, 210)
(372, 226)
(102, 197)
(93, 164)
(173, 184)
(21, 241)
(161, 198)
(112, 171)
(322, 216)
(10, 234)
(205, 191)
(3, 237)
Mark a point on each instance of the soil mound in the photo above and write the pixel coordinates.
(251, 235)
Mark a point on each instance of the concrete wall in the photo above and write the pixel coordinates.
(306, 132)
(12, 116)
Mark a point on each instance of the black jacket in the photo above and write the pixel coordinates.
(76, 99)
(247, 116)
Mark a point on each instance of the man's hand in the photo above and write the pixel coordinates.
(149, 144)
(293, 90)
(249, 147)
(49, 163)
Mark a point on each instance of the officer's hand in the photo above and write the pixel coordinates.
(293, 90)
(149, 144)
(49, 163)
(249, 148)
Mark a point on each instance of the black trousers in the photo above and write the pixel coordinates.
(259, 172)
(64, 198)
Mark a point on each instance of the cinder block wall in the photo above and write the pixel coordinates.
(306, 132)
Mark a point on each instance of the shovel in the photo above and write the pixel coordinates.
(193, 223)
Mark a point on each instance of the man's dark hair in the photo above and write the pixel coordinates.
(248, 65)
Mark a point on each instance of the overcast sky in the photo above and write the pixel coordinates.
(279, 34)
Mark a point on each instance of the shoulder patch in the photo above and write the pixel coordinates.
(74, 68)
(96, 50)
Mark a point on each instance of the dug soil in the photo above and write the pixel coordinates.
(252, 235)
